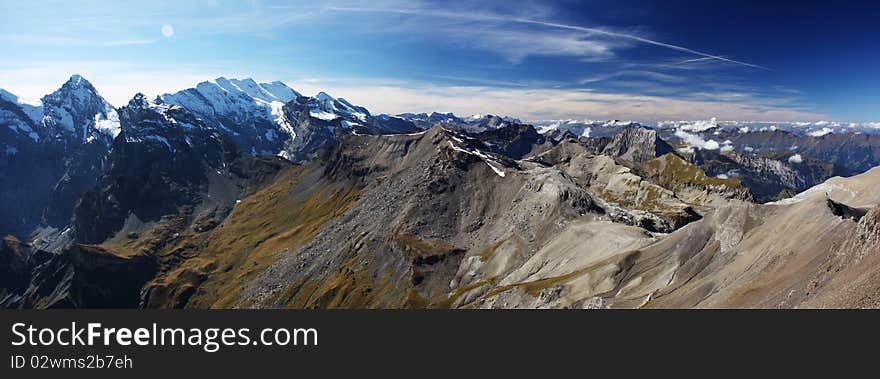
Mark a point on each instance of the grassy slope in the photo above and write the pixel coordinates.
(671, 170)
(209, 269)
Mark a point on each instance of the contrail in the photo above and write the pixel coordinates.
(487, 17)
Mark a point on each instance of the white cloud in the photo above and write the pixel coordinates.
(711, 145)
(537, 103)
(797, 158)
(484, 18)
(695, 141)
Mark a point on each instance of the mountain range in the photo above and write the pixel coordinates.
(238, 194)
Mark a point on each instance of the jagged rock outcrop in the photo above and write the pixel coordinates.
(628, 197)
(768, 176)
(632, 144)
(428, 120)
(866, 239)
(515, 141)
(164, 160)
(691, 183)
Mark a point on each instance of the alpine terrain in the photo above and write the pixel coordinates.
(239, 194)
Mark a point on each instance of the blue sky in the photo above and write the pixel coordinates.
(630, 60)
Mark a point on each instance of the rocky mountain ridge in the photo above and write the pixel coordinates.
(360, 211)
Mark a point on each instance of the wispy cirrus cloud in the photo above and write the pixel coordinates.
(541, 103)
(587, 32)
(55, 40)
(653, 75)
(466, 57)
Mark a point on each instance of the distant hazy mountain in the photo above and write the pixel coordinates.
(472, 124)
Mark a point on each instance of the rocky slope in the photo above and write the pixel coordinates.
(434, 219)
(164, 160)
(634, 144)
(769, 176)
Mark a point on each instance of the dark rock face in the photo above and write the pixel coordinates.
(83, 276)
(425, 120)
(314, 136)
(27, 172)
(166, 167)
(52, 154)
(472, 125)
(761, 158)
(846, 212)
(768, 176)
(850, 153)
(394, 125)
(14, 268)
(488, 122)
(160, 162)
(866, 239)
(515, 141)
(634, 144)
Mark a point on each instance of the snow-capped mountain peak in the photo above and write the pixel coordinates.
(248, 111)
(267, 92)
(77, 80)
(77, 110)
(326, 107)
(265, 118)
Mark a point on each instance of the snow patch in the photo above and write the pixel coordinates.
(700, 126)
(108, 124)
(822, 132)
(586, 132)
(479, 154)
